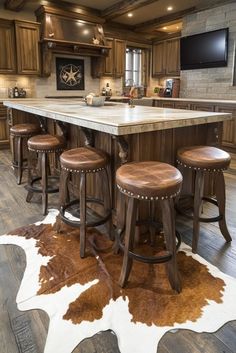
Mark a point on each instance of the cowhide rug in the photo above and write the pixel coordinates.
(82, 297)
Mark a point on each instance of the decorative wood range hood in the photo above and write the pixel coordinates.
(77, 33)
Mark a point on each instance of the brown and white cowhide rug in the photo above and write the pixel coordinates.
(82, 297)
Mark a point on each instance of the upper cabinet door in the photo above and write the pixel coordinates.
(108, 65)
(27, 48)
(173, 57)
(158, 59)
(119, 57)
(7, 47)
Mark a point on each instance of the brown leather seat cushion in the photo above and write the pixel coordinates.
(84, 158)
(24, 129)
(204, 157)
(46, 143)
(149, 179)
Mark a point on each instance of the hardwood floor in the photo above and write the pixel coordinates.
(25, 332)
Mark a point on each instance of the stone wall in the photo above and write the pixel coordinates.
(213, 82)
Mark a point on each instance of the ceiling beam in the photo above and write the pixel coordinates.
(14, 5)
(124, 6)
(156, 22)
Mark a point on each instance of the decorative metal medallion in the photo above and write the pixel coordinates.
(70, 74)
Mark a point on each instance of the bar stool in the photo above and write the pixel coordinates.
(203, 159)
(148, 181)
(19, 133)
(84, 161)
(43, 145)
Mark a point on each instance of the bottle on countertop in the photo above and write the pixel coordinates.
(108, 90)
(103, 91)
(16, 92)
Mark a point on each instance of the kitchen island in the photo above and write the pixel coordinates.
(127, 134)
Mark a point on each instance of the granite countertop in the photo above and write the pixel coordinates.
(115, 118)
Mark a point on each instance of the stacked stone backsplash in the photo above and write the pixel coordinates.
(213, 82)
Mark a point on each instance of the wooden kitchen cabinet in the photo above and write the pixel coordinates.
(166, 58)
(4, 129)
(173, 57)
(27, 47)
(7, 52)
(19, 52)
(158, 59)
(114, 64)
(229, 127)
(203, 107)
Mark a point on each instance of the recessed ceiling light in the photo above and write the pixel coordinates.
(164, 28)
(130, 14)
(177, 27)
(169, 8)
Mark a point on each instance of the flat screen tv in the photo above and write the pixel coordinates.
(204, 50)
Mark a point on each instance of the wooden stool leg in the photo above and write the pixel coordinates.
(19, 160)
(129, 241)
(107, 202)
(44, 182)
(198, 194)
(120, 220)
(82, 214)
(30, 167)
(168, 215)
(220, 196)
(64, 191)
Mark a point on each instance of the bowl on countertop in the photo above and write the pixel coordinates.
(95, 101)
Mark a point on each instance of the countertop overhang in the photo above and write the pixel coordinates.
(115, 118)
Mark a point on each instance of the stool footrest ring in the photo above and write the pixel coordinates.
(201, 219)
(151, 259)
(49, 190)
(89, 223)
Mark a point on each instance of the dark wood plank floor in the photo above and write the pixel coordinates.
(25, 332)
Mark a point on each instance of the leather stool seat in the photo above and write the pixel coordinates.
(84, 159)
(24, 129)
(19, 133)
(203, 160)
(43, 145)
(203, 157)
(46, 142)
(149, 180)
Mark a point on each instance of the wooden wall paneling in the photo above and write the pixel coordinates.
(7, 52)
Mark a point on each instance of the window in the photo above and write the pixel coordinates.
(133, 67)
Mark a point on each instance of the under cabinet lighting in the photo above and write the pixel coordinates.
(169, 8)
(130, 14)
(164, 28)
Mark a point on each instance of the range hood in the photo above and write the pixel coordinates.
(77, 33)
